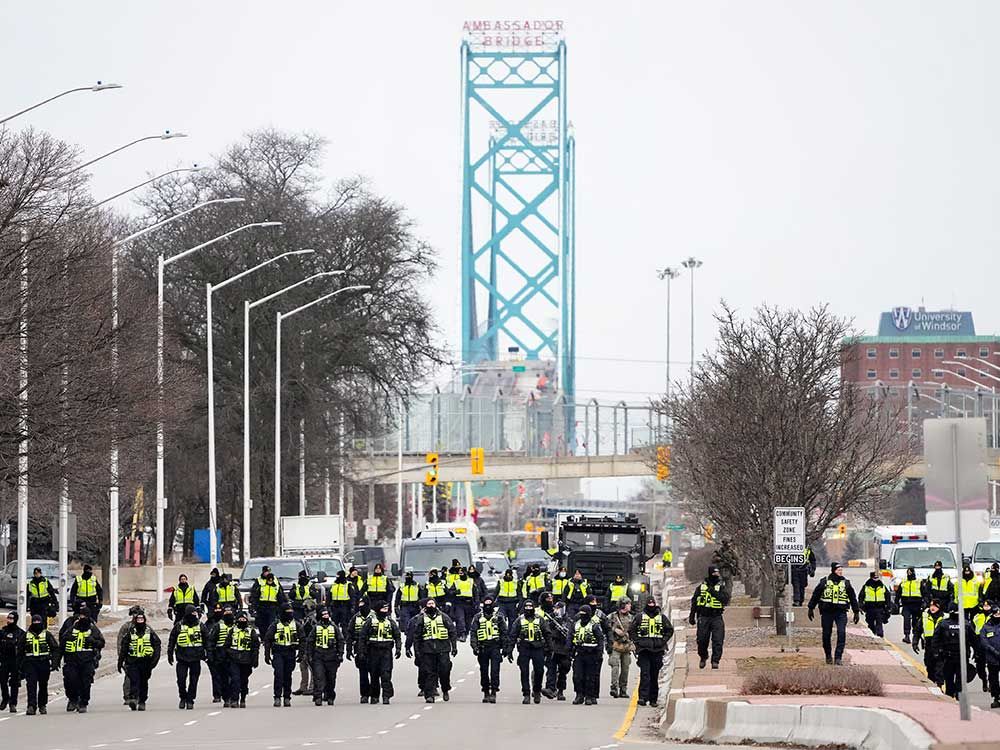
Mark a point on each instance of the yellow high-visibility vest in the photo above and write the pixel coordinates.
(339, 592)
(435, 629)
(409, 593)
(189, 636)
(86, 587)
(463, 589)
(508, 589)
(140, 646)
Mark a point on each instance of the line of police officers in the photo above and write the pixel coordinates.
(554, 624)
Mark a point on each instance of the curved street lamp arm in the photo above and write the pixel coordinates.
(163, 137)
(99, 87)
(282, 316)
(290, 287)
(269, 261)
(175, 217)
(143, 184)
(221, 237)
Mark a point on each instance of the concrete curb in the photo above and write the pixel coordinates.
(736, 722)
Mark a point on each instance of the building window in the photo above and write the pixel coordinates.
(939, 354)
(984, 352)
(894, 391)
(960, 354)
(894, 374)
(872, 352)
(894, 354)
(915, 353)
(872, 374)
(961, 371)
(939, 374)
(916, 374)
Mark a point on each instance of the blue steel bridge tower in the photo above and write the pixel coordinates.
(518, 245)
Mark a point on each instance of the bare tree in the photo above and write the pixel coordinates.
(768, 422)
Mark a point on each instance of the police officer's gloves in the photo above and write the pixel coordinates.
(398, 653)
(916, 645)
(120, 667)
(170, 659)
(267, 658)
(811, 615)
(857, 617)
(349, 655)
(454, 650)
(510, 656)
(691, 618)
(409, 653)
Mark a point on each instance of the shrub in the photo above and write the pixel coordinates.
(822, 681)
(696, 563)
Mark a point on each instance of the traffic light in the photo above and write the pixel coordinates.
(662, 462)
(478, 460)
(431, 478)
(842, 530)
(709, 532)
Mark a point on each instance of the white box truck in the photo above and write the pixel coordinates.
(311, 536)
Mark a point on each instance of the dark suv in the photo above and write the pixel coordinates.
(364, 558)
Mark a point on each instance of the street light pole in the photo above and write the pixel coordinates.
(279, 317)
(247, 307)
(98, 87)
(161, 263)
(209, 289)
(691, 264)
(668, 274)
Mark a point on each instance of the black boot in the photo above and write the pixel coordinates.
(364, 698)
(288, 702)
(537, 697)
(578, 700)
(526, 700)
(277, 702)
(560, 696)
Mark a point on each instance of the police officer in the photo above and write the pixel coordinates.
(529, 633)
(325, 650)
(621, 645)
(708, 603)
(558, 583)
(39, 656)
(187, 641)
(910, 603)
(575, 594)
(218, 659)
(41, 595)
(79, 608)
(434, 638)
(379, 588)
(305, 597)
(506, 595)
(948, 648)
(87, 590)
(479, 587)
(979, 621)
(122, 643)
(80, 647)
(929, 621)
(668, 557)
(588, 647)
(534, 583)
(407, 602)
(436, 587)
(967, 591)
(342, 600)
(243, 657)
(465, 603)
(266, 599)
(801, 573)
(938, 586)
(874, 599)
(558, 657)
(225, 593)
(990, 590)
(11, 647)
(378, 636)
(617, 591)
(651, 632)
(182, 595)
(214, 578)
(281, 651)
(354, 577)
(488, 636)
(139, 659)
(354, 650)
(989, 639)
(834, 595)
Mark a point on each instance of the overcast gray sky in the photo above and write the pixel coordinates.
(842, 153)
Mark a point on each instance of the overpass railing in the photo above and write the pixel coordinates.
(536, 425)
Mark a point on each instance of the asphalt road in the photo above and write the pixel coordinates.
(406, 723)
(894, 634)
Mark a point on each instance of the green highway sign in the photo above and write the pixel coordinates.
(676, 526)
(519, 368)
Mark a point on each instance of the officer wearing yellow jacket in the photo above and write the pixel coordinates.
(834, 595)
(708, 603)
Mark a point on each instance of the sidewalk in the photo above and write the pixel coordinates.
(907, 690)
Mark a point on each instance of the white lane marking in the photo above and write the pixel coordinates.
(471, 671)
(401, 724)
(189, 723)
(336, 742)
(383, 731)
(215, 713)
(428, 708)
(5, 718)
(103, 744)
(254, 693)
(461, 679)
(364, 737)
(308, 744)
(414, 717)
(134, 739)
(165, 731)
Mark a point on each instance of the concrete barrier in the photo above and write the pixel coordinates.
(831, 725)
(143, 578)
(689, 718)
(770, 723)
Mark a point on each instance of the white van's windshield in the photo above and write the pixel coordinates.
(422, 558)
(916, 557)
(987, 552)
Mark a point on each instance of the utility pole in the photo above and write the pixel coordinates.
(691, 264)
(669, 274)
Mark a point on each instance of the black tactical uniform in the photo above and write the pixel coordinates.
(187, 643)
(378, 638)
(488, 636)
(80, 646)
(558, 654)
(281, 651)
(650, 632)
(325, 651)
(587, 642)
(834, 595)
(407, 602)
(707, 606)
(218, 660)
(352, 637)
(433, 635)
(138, 659)
(243, 657)
(39, 656)
(11, 637)
(530, 634)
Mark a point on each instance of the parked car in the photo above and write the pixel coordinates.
(493, 565)
(364, 558)
(286, 571)
(529, 556)
(8, 578)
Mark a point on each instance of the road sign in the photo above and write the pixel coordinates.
(519, 368)
(351, 529)
(371, 532)
(675, 526)
(789, 536)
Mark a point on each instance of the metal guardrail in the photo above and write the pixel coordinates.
(537, 426)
